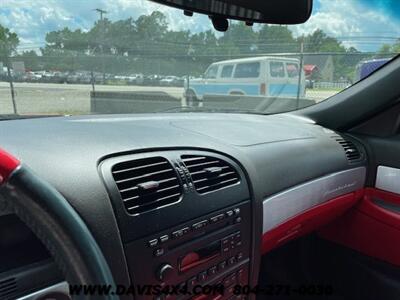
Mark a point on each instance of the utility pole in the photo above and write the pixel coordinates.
(101, 13)
(11, 86)
(299, 88)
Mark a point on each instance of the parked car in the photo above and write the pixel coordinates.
(169, 81)
(310, 83)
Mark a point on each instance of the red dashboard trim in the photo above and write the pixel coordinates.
(8, 164)
(361, 225)
(309, 220)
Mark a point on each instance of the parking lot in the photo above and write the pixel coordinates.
(32, 98)
(62, 98)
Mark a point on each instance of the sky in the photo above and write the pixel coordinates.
(364, 24)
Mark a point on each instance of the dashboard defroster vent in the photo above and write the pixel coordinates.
(7, 288)
(210, 173)
(350, 149)
(146, 184)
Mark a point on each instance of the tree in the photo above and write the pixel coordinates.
(8, 46)
(152, 27)
(8, 43)
(30, 59)
(390, 49)
(121, 37)
(147, 45)
(64, 49)
(240, 38)
(274, 38)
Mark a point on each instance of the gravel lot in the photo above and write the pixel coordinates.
(36, 98)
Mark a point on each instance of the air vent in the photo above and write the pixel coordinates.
(7, 288)
(350, 149)
(146, 184)
(210, 173)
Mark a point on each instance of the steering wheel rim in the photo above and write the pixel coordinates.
(57, 225)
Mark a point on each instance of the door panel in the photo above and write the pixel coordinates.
(369, 228)
(376, 204)
(372, 227)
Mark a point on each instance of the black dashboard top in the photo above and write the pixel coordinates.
(275, 153)
(67, 150)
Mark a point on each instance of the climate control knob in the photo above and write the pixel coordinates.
(165, 272)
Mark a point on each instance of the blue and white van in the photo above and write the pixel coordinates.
(258, 76)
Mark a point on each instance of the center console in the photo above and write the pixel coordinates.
(185, 219)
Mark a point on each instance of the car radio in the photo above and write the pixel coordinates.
(210, 250)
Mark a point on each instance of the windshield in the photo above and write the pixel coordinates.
(134, 56)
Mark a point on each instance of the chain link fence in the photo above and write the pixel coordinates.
(64, 84)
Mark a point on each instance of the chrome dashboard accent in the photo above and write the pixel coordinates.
(291, 202)
(388, 179)
(61, 287)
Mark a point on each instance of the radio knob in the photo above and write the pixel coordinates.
(165, 272)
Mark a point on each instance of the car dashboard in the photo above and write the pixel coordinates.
(183, 199)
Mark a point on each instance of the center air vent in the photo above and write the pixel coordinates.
(210, 173)
(146, 184)
(350, 149)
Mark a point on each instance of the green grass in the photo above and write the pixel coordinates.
(326, 90)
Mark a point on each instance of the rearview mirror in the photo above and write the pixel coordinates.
(250, 11)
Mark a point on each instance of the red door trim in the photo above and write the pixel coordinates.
(368, 228)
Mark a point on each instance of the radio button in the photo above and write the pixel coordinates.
(158, 252)
(230, 291)
(238, 235)
(227, 282)
(153, 243)
(222, 266)
(233, 277)
(231, 260)
(202, 276)
(164, 238)
(177, 234)
(192, 282)
(229, 213)
(239, 256)
(217, 218)
(212, 271)
(199, 225)
(182, 286)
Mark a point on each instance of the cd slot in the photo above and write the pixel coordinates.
(200, 256)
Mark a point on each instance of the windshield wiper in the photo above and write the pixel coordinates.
(7, 117)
